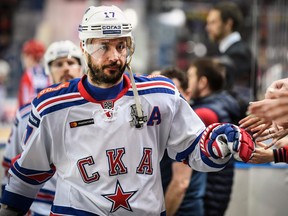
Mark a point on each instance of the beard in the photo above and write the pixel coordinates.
(216, 37)
(195, 94)
(98, 76)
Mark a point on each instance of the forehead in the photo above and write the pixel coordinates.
(213, 15)
(63, 59)
(176, 82)
(105, 40)
(192, 71)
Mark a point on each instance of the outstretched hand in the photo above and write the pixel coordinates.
(262, 154)
(263, 130)
(256, 125)
(277, 86)
(274, 109)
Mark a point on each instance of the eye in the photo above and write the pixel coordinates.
(59, 64)
(102, 47)
(70, 62)
(121, 46)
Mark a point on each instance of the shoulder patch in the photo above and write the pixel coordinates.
(34, 120)
(52, 89)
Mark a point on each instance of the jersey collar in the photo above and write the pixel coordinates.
(228, 41)
(92, 97)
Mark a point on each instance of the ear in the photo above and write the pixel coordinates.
(84, 52)
(81, 46)
(230, 24)
(203, 82)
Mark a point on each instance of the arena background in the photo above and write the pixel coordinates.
(167, 32)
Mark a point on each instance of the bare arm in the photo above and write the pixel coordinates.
(263, 155)
(177, 187)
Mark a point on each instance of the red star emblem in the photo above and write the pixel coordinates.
(119, 198)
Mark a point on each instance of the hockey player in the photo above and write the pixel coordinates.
(106, 133)
(34, 78)
(63, 61)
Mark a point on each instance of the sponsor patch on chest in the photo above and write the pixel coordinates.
(80, 123)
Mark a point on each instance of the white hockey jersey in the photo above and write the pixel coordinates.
(44, 199)
(105, 165)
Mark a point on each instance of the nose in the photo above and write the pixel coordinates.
(65, 67)
(114, 55)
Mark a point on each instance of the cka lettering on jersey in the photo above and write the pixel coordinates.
(116, 164)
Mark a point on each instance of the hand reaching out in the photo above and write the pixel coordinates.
(262, 155)
(263, 130)
(275, 109)
(268, 119)
(281, 142)
(277, 86)
(255, 125)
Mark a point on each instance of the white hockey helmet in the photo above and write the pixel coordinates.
(105, 22)
(61, 49)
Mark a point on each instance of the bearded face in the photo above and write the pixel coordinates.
(106, 60)
(215, 26)
(108, 74)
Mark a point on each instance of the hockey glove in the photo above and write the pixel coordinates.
(220, 140)
(244, 148)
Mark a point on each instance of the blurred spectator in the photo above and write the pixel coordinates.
(223, 24)
(179, 78)
(4, 72)
(213, 104)
(183, 187)
(33, 79)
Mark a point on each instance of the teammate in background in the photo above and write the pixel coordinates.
(183, 187)
(106, 133)
(34, 78)
(213, 104)
(224, 21)
(62, 62)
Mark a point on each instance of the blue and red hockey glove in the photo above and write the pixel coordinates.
(220, 140)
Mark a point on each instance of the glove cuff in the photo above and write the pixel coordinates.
(213, 142)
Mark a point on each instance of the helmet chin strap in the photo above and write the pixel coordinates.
(135, 92)
(141, 119)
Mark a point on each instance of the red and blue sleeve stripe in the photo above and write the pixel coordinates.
(32, 177)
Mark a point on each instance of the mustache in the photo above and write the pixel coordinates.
(66, 77)
(113, 64)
